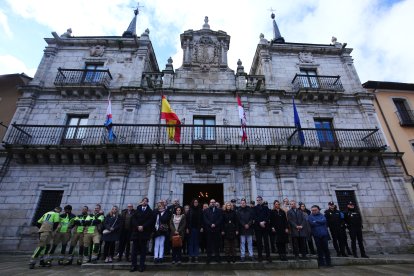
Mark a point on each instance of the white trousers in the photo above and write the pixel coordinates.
(159, 247)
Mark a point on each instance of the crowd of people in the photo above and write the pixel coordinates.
(211, 228)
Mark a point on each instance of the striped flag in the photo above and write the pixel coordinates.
(108, 122)
(243, 120)
(174, 132)
(297, 123)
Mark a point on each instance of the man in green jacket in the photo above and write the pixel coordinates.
(47, 224)
(92, 235)
(63, 233)
(77, 238)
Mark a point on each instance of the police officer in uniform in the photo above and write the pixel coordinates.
(47, 224)
(354, 223)
(336, 223)
(77, 238)
(92, 235)
(63, 232)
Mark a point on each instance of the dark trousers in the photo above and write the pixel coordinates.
(262, 238)
(125, 244)
(310, 248)
(272, 237)
(230, 247)
(324, 257)
(213, 244)
(299, 246)
(176, 254)
(109, 249)
(193, 243)
(356, 234)
(141, 246)
(338, 241)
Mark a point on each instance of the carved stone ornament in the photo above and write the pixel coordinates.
(305, 57)
(206, 51)
(97, 51)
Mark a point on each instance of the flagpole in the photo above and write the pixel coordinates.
(159, 120)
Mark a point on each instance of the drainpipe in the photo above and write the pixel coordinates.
(392, 138)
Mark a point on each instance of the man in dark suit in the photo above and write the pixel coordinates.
(142, 223)
(213, 218)
(262, 228)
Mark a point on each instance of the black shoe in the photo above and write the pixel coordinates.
(284, 258)
(252, 259)
(269, 260)
(304, 257)
(133, 268)
(296, 258)
(208, 261)
(260, 259)
(242, 259)
(355, 256)
(338, 254)
(233, 260)
(42, 263)
(344, 255)
(364, 256)
(32, 265)
(68, 262)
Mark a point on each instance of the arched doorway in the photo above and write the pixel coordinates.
(203, 192)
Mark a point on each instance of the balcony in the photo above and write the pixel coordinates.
(406, 117)
(255, 82)
(322, 88)
(152, 80)
(218, 135)
(86, 81)
(214, 144)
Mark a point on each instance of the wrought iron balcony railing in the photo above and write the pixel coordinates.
(52, 135)
(316, 83)
(406, 117)
(83, 77)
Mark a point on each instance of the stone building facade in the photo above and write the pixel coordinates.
(62, 155)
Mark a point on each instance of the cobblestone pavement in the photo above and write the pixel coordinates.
(18, 265)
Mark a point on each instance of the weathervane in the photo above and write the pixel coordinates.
(136, 11)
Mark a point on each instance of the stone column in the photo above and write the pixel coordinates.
(152, 166)
(253, 183)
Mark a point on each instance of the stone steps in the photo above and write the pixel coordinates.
(275, 265)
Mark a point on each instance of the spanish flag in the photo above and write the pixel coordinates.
(174, 133)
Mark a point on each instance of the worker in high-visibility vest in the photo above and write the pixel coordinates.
(63, 233)
(92, 235)
(77, 238)
(47, 224)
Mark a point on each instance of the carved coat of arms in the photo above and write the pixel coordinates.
(206, 51)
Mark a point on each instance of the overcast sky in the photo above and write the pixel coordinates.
(379, 31)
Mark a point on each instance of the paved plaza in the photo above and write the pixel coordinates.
(18, 265)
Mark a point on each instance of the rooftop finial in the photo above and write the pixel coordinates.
(277, 37)
(131, 31)
(206, 26)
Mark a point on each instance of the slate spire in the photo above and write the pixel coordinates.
(277, 37)
(131, 31)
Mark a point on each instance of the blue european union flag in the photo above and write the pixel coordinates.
(297, 124)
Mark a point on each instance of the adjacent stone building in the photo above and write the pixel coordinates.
(62, 154)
